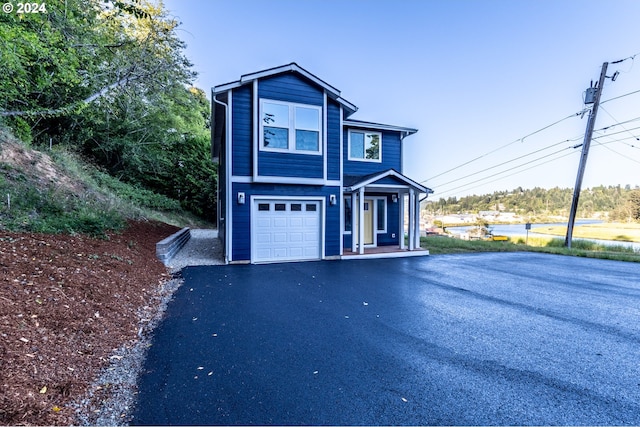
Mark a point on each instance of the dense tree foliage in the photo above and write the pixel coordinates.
(620, 203)
(109, 79)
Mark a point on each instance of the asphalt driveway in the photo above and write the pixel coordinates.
(515, 338)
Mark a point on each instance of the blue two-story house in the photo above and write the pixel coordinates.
(299, 180)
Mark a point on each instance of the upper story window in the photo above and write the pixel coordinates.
(365, 146)
(290, 127)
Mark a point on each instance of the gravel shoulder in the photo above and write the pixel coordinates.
(113, 395)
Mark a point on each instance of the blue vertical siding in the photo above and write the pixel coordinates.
(391, 156)
(333, 141)
(242, 214)
(242, 131)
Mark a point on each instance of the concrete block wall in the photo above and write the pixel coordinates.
(167, 248)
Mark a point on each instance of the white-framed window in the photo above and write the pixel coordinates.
(290, 127)
(365, 146)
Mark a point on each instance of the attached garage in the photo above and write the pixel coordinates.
(286, 230)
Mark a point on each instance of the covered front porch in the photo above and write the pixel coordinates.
(379, 210)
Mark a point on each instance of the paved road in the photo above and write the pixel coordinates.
(512, 338)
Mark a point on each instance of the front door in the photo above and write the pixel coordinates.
(368, 221)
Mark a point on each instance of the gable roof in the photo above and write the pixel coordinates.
(353, 183)
(331, 91)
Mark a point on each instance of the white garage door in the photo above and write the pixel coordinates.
(286, 230)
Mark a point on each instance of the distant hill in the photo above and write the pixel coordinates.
(617, 203)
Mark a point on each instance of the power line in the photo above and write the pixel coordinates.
(504, 163)
(505, 146)
(621, 96)
(516, 167)
(444, 193)
(614, 151)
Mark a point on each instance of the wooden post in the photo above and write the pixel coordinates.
(583, 158)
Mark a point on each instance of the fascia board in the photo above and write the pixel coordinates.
(379, 126)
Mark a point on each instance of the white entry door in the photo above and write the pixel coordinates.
(286, 230)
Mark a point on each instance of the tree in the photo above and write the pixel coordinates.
(110, 79)
(634, 204)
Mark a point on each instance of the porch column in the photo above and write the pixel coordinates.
(417, 221)
(354, 222)
(412, 218)
(361, 221)
(401, 222)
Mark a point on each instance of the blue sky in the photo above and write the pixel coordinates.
(472, 76)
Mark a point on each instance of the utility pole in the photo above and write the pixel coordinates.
(585, 152)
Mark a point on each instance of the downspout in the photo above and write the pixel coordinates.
(227, 177)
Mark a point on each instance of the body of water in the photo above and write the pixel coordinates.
(519, 230)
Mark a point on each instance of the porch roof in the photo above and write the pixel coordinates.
(353, 183)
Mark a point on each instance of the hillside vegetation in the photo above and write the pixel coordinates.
(61, 193)
(107, 82)
(616, 203)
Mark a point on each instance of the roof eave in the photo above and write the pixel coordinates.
(380, 126)
(331, 91)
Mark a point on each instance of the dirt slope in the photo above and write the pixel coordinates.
(66, 302)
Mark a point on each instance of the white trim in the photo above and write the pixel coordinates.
(228, 234)
(391, 172)
(323, 138)
(341, 155)
(361, 243)
(412, 240)
(255, 139)
(290, 67)
(323, 219)
(358, 159)
(287, 180)
(416, 224)
(294, 180)
(403, 254)
(379, 126)
(333, 92)
(291, 128)
(354, 221)
(401, 219)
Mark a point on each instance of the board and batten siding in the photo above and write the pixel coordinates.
(391, 156)
(242, 131)
(241, 245)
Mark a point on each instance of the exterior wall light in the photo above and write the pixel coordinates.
(332, 199)
(241, 198)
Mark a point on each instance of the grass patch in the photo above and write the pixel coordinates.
(622, 232)
(447, 245)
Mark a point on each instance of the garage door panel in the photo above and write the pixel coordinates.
(279, 222)
(279, 237)
(296, 222)
(286, 230)
(296, 237)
